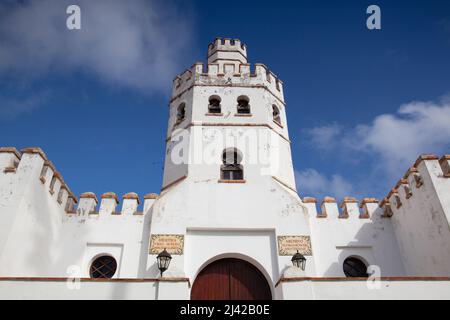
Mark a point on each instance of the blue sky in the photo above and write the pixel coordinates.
(362, 105)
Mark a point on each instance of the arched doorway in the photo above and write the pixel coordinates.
(231, 279)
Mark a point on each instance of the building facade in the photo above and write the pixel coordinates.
(228, 213)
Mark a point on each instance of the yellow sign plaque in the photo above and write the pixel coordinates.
(174, 244)
(289, 245)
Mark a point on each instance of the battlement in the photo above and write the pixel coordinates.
(427, 170)
(423, 176)
(34, 162)
(227, 66)
(228, 75)
(349, 208)
(110, 203)
(227, 49)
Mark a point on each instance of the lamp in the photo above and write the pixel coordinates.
(163, 260)
(299, 261)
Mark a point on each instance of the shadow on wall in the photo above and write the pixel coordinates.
(51, 253)
(145, 245)
(374, 243)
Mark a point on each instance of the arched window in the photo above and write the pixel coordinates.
(243, 105)
(276, 114)
(355, 268)
(231, 169)
(103, 267)
(214, 105)
(181, 113)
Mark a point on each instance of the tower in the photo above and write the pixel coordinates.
(229, 187)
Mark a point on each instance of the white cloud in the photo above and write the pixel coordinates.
(323, 137)
(135, 44)
(313, 183)
(417, 128)
(11, 107)
(392, 141)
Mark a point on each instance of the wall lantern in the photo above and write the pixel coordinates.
(299, 261)
(163, 261)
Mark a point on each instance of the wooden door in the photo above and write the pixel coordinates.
(230, 279)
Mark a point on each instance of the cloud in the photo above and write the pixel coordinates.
(313, 183)
(323, 137)
(12, 106)
(418, 127)
(386, 146)
(135, 44)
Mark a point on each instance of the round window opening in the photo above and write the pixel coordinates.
(355, 268)
(103, 268)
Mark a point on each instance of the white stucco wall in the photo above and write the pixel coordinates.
(93, 290)
(40, 239)
(358, 290)
(370, 239)
(421, 223)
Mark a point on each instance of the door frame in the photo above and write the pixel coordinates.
(238, 256)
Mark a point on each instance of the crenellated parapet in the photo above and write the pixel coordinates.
(349, 208)
(33, 166)
(109, 205)
(227, 49)
(423, 177)
(9, 159)
(227, 66)
(33, 162)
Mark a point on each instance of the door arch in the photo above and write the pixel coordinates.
(231, 279)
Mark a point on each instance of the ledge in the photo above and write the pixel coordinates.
(10, 170)
(10, 150)
(248, 115)
(278, 124)
(344, 279)
(31, 279)
(211, 124)
(214, 114)
(232, 181)
(172, 184)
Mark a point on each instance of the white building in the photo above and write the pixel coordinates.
(228, 212)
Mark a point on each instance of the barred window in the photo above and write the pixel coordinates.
(103, 267)
(355, 268)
